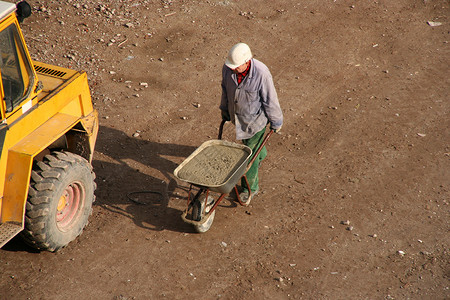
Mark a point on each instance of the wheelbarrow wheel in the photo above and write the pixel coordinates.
(197, 209)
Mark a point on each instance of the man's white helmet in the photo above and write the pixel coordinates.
(239, 54)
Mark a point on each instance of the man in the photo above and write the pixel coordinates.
(249, 101)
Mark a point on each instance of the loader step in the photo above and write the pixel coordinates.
(9, 230)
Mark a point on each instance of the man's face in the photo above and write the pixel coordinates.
(241, 68)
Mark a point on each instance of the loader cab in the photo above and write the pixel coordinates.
(16, 71)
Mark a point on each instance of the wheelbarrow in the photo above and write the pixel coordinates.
(214, 168)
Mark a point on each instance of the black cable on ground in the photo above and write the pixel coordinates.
(142, 192)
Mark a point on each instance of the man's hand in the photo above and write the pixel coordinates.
(277, 130)
(225, 115)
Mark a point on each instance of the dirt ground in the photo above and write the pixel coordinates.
(355, 190)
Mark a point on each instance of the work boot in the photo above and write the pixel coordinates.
(245, 198)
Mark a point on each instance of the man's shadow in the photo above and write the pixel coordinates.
(124, 186)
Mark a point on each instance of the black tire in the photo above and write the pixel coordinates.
(59, 200)
(197, 209)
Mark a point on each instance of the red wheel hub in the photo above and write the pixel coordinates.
(69, 205)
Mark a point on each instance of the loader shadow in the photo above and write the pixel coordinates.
(17, 244)
(124, 186)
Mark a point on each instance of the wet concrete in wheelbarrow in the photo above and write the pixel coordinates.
(213, 165)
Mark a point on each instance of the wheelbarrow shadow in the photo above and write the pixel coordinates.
(122, 165)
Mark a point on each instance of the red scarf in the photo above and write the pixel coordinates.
(241, 76)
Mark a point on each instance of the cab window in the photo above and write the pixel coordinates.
(15, 68)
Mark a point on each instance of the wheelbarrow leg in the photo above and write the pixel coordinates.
(249, 193)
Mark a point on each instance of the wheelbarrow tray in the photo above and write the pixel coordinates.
(216, 165)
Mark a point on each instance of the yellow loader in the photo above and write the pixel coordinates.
(48, 130)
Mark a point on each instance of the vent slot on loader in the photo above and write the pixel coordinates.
(48, 71)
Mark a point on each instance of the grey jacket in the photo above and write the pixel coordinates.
(253, 103)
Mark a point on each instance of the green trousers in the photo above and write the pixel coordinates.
(252, 174)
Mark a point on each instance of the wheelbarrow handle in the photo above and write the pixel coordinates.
(221, 129)
(266, 138)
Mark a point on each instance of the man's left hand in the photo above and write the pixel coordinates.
(277, 130)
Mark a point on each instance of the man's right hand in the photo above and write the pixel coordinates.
(225, 115)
